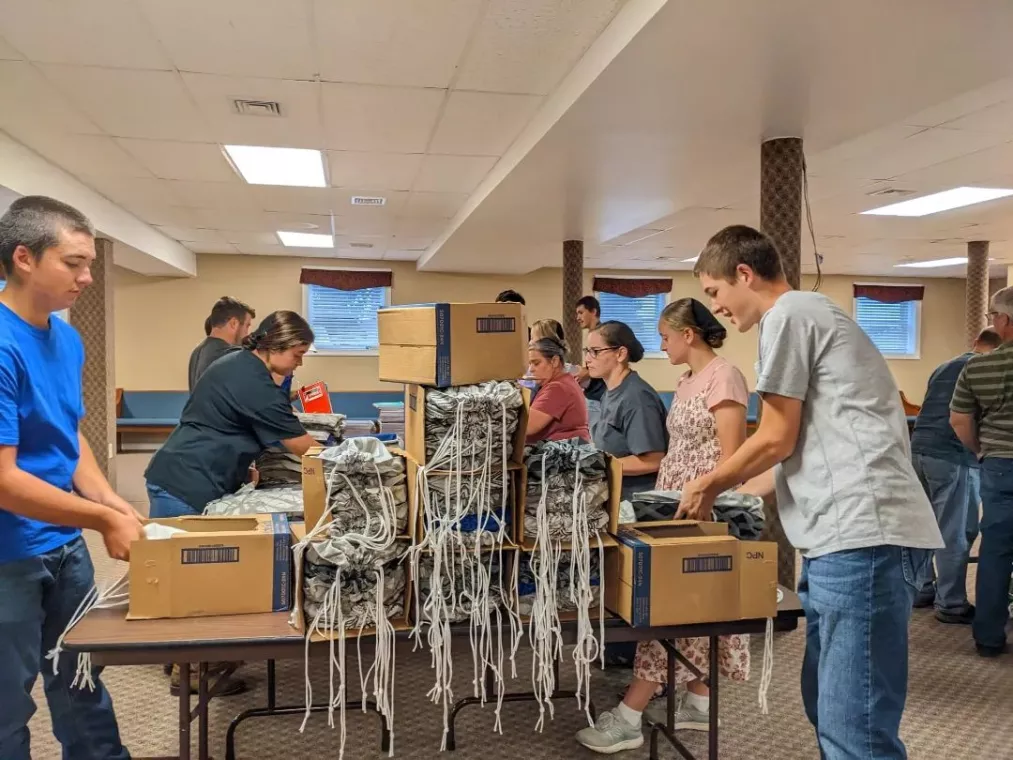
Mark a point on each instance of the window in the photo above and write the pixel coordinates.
(344, 321)
(641, 314)
(895, 328)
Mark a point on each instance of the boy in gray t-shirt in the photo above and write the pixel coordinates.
(833, 432)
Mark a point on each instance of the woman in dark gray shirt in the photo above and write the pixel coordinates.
(632, 422)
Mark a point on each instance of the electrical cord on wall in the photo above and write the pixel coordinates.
(809, 222)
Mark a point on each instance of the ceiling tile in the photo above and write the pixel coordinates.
(389, 171)
(224, 196)
(211, 247)
(200, 162)
(7, 53)
(411, 243)
(242, 239)
(453, 174)
(164, 216)
(419, 227)
(151, 104)
(134, 192)
(398, 255)
(996, 118)
(482, 123)
(299, 125)
(392, 42)
(265, 250)
(196, 235)
(261, 221)
(30, 99)
(384, 119)
(528, 46)
(81, 155)
(435, 205)
(94, 33)
(360, 221)
(267, 38)
(297, 200)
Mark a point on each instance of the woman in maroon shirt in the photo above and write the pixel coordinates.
(558, 411)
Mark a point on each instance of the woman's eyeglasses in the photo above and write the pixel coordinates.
(595, 352)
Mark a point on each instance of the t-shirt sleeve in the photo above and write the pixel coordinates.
(963, 401)
(645, 427)
(727, 384)
(271, 415)
(10, 434)
(551, 400)
(785, 364)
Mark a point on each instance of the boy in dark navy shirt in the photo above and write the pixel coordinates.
(50, 483)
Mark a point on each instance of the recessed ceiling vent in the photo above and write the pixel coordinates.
(891, 191)
(257, 107)
(362, 200)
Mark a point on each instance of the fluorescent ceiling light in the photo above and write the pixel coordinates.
(944, 201)
(692, 260)
(305, 239)
(933, 263)
(292, 167)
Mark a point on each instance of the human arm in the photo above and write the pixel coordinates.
(964, 414)
(28, 496)
(300, 445)
(762, 485)
(646, 437)
(966, 428)
(642, 464)
(91, 483)
(537, 421)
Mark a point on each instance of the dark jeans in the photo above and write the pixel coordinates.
(854, 673)
(161, 503)
(995, 557)
(38, 597)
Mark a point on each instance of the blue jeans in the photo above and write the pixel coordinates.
(161, 503)
(38, 597)
(854, 673)
(995, 557)
(954, 491)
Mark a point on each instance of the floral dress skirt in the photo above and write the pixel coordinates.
(693, 451)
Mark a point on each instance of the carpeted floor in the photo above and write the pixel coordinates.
(959, 706)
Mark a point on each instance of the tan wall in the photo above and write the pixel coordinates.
(160, 320)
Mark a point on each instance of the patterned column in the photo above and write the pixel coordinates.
(781, 218)
(92, 315)
(976, 299)
(573, 291)
(781, 201)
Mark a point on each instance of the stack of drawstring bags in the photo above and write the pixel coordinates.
(354, 576)
(566, 512)
(461, 563)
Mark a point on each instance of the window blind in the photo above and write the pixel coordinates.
(893, 327)
(641, 314)
(344, 320)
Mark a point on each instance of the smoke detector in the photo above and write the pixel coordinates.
(364, 200)
(257, 107)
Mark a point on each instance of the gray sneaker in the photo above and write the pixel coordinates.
(687, 718)
(610, 734)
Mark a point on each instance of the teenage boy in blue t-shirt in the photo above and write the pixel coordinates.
(50, 483)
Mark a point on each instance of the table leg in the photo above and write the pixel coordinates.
(184, 711)
(271, 685)
(202, 711)
(715, 677)
(668, 729)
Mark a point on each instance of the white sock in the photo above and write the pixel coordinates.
(628, 714)
(698, 702)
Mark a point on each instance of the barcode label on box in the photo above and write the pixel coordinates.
(211, 555)
(495, 325)
(711, 564)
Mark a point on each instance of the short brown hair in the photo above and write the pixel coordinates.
(989, 337)
(36, 222)
(227, 308)
(735, 245)
(280, 331)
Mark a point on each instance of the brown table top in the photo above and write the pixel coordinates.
(269, 635)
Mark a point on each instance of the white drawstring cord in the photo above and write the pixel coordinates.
(767, 672)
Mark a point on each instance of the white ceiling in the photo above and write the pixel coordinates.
(486, 124)
(662, 149)
(413, 101)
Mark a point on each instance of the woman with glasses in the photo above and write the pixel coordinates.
(631, 426)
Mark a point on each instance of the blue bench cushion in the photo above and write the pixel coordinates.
(752, 410)
(146, 422)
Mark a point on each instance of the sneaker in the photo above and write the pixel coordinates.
(687, 718)
(984, 650)
(610, 734)
(956, 618)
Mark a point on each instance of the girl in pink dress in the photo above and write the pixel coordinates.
(706, 424)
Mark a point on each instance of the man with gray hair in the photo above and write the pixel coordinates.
(981, 413)
(50, 483)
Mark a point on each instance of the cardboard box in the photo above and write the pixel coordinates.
(220, 566)
(314, 486)
(444, 344)
(615, 481)
(415, 425)
(678, 572)
(298, 620)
